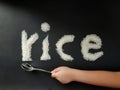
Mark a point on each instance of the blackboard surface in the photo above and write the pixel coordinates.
(65, 18)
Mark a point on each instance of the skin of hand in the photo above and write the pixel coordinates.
(100, 78)
(63, 74)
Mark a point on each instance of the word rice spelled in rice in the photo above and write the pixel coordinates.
(86, 45)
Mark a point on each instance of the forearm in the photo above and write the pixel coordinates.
(99, 78)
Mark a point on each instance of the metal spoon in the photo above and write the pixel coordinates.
(29, 67)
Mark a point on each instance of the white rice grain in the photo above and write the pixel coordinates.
(45, 47)
(65, 39)
(86, 46)
(45, 27)
(27, 45)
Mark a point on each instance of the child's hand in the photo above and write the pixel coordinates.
(63, 74)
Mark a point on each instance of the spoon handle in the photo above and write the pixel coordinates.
(38, 69)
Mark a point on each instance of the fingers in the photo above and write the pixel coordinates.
(61, 74)
(55, 70)
(59, 69)
(53, 75)
(56, 76)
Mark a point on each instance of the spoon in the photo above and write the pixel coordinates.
(29, 67)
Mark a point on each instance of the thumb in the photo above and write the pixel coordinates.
(53, 75)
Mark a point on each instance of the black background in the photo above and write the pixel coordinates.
(70, 17)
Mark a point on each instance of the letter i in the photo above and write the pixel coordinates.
(45, 44)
